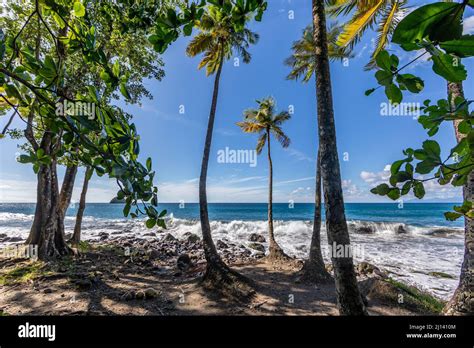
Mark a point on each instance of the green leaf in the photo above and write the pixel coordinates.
(369, 91)
(423, 21)
(452, 216)
(381, 189)
(463, 47)
(432, 149)
(413, 83)
(395, 167)
(79, 9)
(449, 67)
(419, 190)
(393, 93)
(394, 193)
(150, 223)
(148, 164)
(384, 77)
(383, 61)
(124, 90)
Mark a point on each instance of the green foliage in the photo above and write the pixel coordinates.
(436, 28)
(48, 45)
(264, 121)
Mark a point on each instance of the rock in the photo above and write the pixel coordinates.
(184, 262)
(47, 291)
(169, 238)
(153, 254)
(150, 234)
(140, 295)
(128, 296)
(68, 236)
(191, 237)
(151, 293)
(257, 246)
(401, 229)
(442, 232)
(221, 245)
(259, 255)
(255, 237)
(364, 230)
(103, 235)
(365, 268)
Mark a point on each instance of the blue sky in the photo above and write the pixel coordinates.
(366, 139)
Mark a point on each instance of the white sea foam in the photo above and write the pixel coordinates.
(410, 255)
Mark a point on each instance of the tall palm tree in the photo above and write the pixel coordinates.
(302, 62)
(218, 41)
(366, 14)
(386, 14)
(348, 295)
(265, 122)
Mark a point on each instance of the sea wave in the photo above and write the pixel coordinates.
(411, 253)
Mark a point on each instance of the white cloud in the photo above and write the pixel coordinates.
(468, 25)
(299, 156)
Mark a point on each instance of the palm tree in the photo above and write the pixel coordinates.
(265, 122)
(348, 295)
(384, 14)
(302, 62)
(303, 57)
(218, 41)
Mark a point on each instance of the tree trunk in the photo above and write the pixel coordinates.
(47, 231)
(76, 237)
(314, 270)
(348, 295)
(275, 251)
(67, 188)
(218, 275)
(462, 302)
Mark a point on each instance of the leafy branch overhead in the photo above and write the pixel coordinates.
(436, 30)
(33, 78)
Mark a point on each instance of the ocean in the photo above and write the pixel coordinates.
(428, 243)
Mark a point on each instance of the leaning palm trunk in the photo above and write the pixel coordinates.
(67, 188)
(462, 302)
(314, 270)
(275, 251)
(76, 237)
(218, 276)
(348, 295)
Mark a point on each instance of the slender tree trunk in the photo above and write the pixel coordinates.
(67, 188)
(218, 275)
(275, 251)
(462, 302)
(76, 237)
(348, 295)
(314, 270)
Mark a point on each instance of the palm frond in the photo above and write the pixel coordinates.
(391, 16)
(250, 126)
(262, 139)
(200, 43)
(282, 138)
(281, 117)
(363, 19)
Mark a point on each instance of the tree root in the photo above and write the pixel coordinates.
(229, 283)
(314, 274)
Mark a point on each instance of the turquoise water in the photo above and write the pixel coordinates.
(416, 214)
